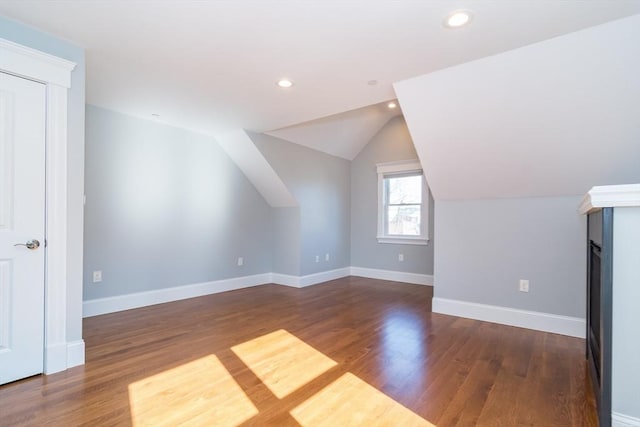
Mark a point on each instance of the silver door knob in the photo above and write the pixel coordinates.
(31, 244)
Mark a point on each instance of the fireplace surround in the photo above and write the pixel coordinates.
(613, 293)
(599, 305)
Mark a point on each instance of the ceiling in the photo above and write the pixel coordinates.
(211, 66)
(341, 135)
(550, 119)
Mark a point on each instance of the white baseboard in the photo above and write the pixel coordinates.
(310, 279)
(55, 358)
(158, 296)
(61, 356)
(75, 353)
(564, 325)
(113, 304)
(621, 420)
(324, 276)
(396, 276)
(285, 280)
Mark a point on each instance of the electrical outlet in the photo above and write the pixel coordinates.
(97, 276)
(524, 285)
(240, 261)
(326, 257)
(400, 257)
(317, 258)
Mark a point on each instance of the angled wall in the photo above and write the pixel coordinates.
(320, 183)
(550, 119)
(509, 144)
(248, 158)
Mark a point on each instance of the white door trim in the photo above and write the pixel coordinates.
(55, 73)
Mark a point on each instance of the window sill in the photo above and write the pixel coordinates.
(403, 240)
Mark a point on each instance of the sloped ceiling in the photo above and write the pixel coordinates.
(211, 66)
(342, 135)
(242, 150)
(549, 119)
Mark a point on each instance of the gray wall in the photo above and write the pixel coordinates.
(486, 246)
(27, 36)
(286, 241)
(166, 207)
(391, 143)
(320, 184)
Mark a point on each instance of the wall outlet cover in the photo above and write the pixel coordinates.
(97, 276)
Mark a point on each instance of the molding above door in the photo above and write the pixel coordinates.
(34, 64)
(55, 73)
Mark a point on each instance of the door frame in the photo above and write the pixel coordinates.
(55, 74)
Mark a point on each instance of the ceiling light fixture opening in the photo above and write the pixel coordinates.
(392, 105)
(284, 83)
(458, 18)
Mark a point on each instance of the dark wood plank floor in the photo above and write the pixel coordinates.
(447, 371)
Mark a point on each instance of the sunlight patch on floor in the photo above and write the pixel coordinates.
(349, 401)
(201, 392)
(282, 361)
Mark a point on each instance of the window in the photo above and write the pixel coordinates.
(403, 203)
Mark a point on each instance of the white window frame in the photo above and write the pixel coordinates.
(400, 168)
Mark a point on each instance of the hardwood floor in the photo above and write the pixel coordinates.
(353, 351)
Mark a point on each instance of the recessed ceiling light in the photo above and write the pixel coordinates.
(458, 18)
(284, 83)
(392, 105)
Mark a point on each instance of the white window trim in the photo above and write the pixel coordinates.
(402, 166)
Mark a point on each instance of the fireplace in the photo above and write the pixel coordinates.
(594, 309)
(599, 305)
(613, 291)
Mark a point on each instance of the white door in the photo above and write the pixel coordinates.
(22, 222)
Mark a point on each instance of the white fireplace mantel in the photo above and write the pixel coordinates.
(610, 196)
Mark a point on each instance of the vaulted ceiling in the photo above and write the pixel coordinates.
(341, 135)
(211, 66)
